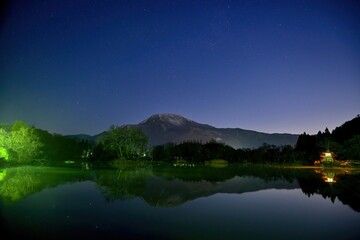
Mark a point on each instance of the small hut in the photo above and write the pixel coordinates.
(327, 157)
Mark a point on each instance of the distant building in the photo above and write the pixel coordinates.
(327, 157)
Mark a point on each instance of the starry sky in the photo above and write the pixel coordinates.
(273, 66)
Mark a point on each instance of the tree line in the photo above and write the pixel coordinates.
(130, 144)
(198, 152)
(344, 141)
(21, 143)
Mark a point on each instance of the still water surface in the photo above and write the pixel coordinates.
(141, 201)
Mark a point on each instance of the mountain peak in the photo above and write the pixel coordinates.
(173, 119)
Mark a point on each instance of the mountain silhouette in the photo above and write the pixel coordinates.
(173, 128)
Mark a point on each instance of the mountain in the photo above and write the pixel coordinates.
(173, 128)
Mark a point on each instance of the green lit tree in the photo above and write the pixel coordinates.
(4, 144)
(21, 144)
(124, 142)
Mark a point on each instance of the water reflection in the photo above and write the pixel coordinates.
(330, 174)
(17, 183)
(169, 186)
(127, 179)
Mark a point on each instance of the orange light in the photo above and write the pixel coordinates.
(330, 180)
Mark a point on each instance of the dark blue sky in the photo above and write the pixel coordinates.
(274, 66)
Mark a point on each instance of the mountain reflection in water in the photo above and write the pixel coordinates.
(134, 200)
(165, 185)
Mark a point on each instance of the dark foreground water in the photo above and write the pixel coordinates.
(140, 201)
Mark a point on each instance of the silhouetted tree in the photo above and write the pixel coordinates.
(125, 142)
(350, 149)
(347, 130)
(306, 145)
(163, 152)
(58, 148)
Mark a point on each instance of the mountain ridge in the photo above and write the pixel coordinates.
(174, 128)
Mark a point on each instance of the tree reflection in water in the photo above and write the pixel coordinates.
(341, 183)
(17, 183)
(165, 185)
(127, 180)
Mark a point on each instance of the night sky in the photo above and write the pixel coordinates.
(71, 66)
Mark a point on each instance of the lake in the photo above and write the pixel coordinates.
(163, 201)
